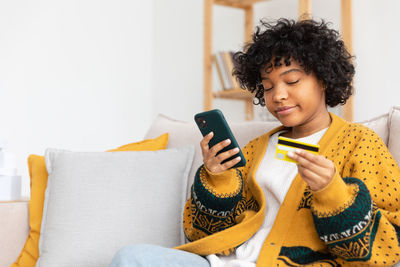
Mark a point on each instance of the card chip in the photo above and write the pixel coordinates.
(280, 155)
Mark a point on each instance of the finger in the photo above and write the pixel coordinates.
(231, 163)
(205, 141)
(218, 147)
(316, 159)
(211, 166)
(308, 160)
(225, 155)
(214, 165)
(311, 178)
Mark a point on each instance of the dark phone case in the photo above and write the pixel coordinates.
(215, 122)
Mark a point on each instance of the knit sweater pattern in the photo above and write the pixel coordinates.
(353, 221)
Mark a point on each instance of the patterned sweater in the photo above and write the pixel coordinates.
(353, 221)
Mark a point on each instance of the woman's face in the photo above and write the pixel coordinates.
(294, 97)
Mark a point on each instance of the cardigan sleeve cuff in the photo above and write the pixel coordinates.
(226, 182)
(212, 196)
(333, 198)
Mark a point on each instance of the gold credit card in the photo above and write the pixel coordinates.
(287, 144)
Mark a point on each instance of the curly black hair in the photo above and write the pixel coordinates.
(312, 44)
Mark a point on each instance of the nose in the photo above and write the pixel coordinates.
(280, 93)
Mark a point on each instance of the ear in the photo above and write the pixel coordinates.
(322, 86)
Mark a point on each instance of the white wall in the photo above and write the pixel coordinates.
(74, 74)
(91, 75)
(178, 58)
(376, 46)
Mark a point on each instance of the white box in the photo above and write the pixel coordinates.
(10, 187)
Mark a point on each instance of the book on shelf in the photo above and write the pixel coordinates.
(224, 63)
(235, 64)
(223, 78)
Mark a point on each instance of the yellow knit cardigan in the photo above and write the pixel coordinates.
(353, 221)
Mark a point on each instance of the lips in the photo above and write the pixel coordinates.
(285, 111)
(283, 108)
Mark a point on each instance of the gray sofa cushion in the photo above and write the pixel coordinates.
(98, 202)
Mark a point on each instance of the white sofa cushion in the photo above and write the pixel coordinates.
(394, 133)
(98, 202)
(380, 125)
(183, 133)
(387, 126)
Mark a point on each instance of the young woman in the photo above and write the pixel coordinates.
(338, 208)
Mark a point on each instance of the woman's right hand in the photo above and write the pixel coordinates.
(212, 161)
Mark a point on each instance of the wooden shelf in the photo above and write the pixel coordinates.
(233, 94)
(236, 94)
(237, 3)
(247, 6)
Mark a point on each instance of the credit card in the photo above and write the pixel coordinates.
(287, 144)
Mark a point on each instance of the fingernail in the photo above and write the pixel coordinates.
(210, 133)
(227, 141)
(236, 149)
(290, 154)
(238, 158)
(298, 151)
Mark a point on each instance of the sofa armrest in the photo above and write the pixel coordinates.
(14, 229)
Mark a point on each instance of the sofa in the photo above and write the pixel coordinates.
(14, 216)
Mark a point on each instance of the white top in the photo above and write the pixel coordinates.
(275, 177)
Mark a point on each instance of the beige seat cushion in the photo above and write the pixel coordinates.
(14, 229)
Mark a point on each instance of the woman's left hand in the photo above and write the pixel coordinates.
(316, 170)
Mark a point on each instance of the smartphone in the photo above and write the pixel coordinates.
(214, 121)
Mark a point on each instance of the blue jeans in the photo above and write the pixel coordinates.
(156, 256)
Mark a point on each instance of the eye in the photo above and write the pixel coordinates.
(294, 82)
(267, 89)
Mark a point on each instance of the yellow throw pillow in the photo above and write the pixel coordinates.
(38, 174)
(158, 143)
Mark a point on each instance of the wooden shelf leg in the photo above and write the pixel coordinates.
(249, 29)
(305, 9)
(208, 92)
(248, 23)
(249, 110)
(347, 36)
